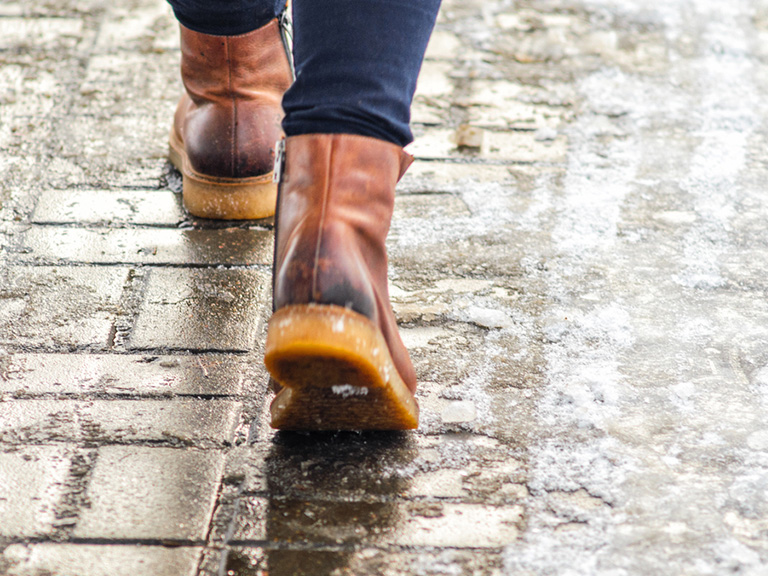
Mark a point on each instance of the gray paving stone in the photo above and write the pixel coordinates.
(441, 176)
(143, 78)
(411, 523)
(430, 562)
(427, 110)
(439, 143)
(461, 467)
(64, 8)
(102, 560)
(443, 45)
(25, 375)
(432, 206)
(32, 481)
(506, 104)
(151, 493)
(122, 150)
(112, 207)
(202, 309)
(229, 246)
(39, 33)
(149, 27)
(58, 306)
(29, 93)
(178, 421)
(435, 80)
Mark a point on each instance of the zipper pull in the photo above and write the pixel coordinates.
(277, 172)
(286, 34)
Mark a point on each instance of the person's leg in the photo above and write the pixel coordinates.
(226, 17)
(356, 63)
(332, 343)
(235, 70)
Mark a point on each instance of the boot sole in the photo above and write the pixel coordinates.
(221, 198)
(336, 372)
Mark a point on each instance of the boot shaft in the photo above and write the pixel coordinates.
(230, 115)
(252, 65)
(334, 210)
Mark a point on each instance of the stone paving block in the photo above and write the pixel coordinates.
(151, 493)
(413, 523)
(202, 309)
(443, 44)
(117, 142)
(465, 468)
(60, 172)
(59, 306)
(475, 248)
(430, 206)
(148, 28)
(431, 562)
(425, 176)
(40, 34)
(25, 375)
(439, 143)
(62, 8)
(459, 525)
(124, 151)
(11, 8)
(245, 468)
(179, 421)
(102, 560)
(324, 466)
(432, 100)
(228, 246)
(435, 80)
(502, 104)
(118, 207)
(31, 484)
(142, 78)
(426, 110)
(28, 92)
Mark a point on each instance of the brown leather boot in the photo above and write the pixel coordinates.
(332, 343)
(228, 121)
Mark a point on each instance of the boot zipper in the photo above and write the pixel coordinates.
(286, 33)
(279, 157)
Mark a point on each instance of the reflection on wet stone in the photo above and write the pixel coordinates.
(228, 246)
(333, 490)
(362, 465)
(201, 309)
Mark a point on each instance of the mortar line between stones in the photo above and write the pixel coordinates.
(111, 397)
(126, 264)
(27, 349)
(209, 545)
(229, 534)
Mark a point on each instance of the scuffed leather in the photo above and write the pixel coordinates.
(229, 117)
(334, 210)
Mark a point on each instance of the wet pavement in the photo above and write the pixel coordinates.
(578, 265)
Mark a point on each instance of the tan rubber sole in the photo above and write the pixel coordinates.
(222, 198)
(336, 372)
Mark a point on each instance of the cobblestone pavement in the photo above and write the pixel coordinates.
(578, 264)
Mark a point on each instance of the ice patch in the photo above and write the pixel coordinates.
(457, 412)
(488, 318)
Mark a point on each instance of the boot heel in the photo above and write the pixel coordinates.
(336, 372)
(223, 198)
(229, 199)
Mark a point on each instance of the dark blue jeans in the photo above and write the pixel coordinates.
(356, 61)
